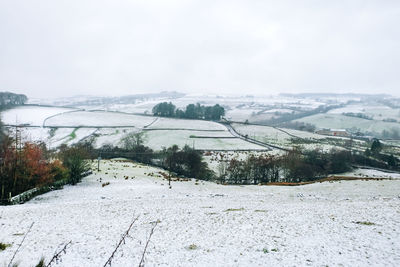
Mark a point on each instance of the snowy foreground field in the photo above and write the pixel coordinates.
(348, 223)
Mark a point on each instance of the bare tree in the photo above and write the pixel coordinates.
(133, 140)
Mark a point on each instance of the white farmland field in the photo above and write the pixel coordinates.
(31, 115)
(378, 112)
(284, 138)
(353, 223)
(266, 134)
(111, 127)
(112, 136)
(171, 123)
(98, 119)
(70, 136)
(241, 114)
(157, 139)
(54, 137)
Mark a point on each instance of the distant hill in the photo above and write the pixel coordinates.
(87, 100)
(320, 95)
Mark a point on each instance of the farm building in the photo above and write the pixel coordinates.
(334, 132)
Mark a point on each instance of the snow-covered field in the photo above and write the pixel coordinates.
(160, 132)
(32, 115)
(170, 123)
(241, 114)
(111, 136)
(311, 136)
(266, 134)
(337, 121)
(53, 137)
(98, 119)
(378, 112)
(157, 139)
(370, 173)
(284, 137)
(348, 223)
(70, 136)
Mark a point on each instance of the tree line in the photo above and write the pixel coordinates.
(293, 167)
(8, 100)
(192, 111)
(301, 166)
(29, 165)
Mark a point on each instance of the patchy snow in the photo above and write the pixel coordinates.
(31, 134)
(348, 223)
(32, 115)
(68, 136)
(111, 136)
(53, 137)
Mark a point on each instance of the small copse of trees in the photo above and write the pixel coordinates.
(186, 161)
(192, 111)
(75, 160)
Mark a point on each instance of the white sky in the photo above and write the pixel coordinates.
(51, 48)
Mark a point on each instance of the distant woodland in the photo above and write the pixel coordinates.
(192, 111)
(8, 100)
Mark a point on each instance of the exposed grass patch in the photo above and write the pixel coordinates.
(364, 223)
(52, 132)
(41, 263)
(234, 210)
(192, 247)
(73, 134)
(3, 246)
(260, 211)
(265, 250)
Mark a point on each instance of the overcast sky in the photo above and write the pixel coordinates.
(60, 48)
